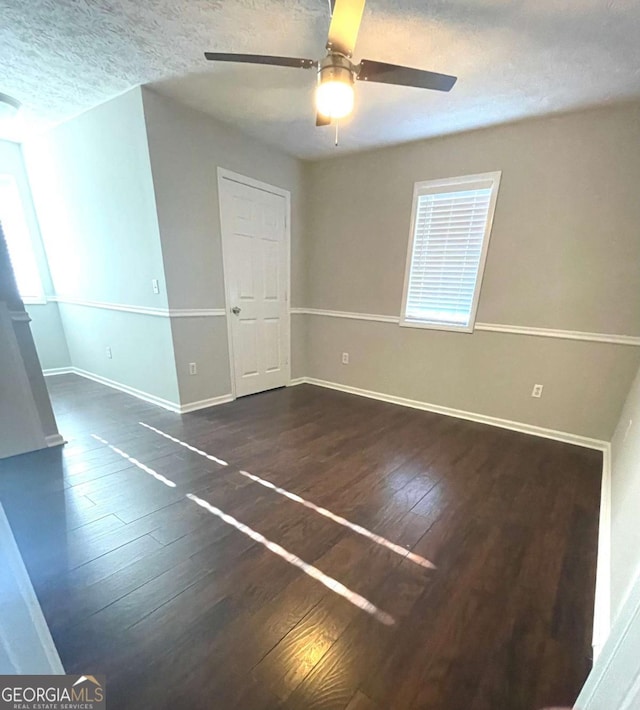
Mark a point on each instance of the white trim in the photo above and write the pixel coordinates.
(491, 179)
(566, 437)
(490, 327)
(229, 175)
(345, 314)
(206, 403)
(54, 440)
(297, 381)
(602, 605)
(564, 334)
(196, 312)
(252, 182)
(52, 371)
(144, 396)
(142, 310)
(612, 338)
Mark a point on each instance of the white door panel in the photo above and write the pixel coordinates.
(256, 273)
(272, 355)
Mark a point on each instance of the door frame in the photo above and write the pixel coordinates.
(225, 174)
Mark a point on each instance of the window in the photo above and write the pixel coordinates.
(450, 232)
(18, 238)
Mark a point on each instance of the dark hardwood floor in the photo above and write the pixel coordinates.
(182, 608)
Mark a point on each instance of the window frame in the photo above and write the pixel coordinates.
(445, 185)
(41, 298)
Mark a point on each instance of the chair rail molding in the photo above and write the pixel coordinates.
(612, 338)
(142, 310)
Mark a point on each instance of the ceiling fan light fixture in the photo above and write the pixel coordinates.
(334, 99)
(337, 72)
(334, 93)
(9, 106)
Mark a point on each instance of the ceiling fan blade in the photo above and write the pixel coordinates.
(294, 62)
(404, 76)
(322, 120)
(345, 23)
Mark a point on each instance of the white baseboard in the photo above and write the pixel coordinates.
(602, 607)
(127, 389)
(205, 403)
(140, 394)
(54, 440)
(563, 436)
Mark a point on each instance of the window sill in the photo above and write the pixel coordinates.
(436, 326)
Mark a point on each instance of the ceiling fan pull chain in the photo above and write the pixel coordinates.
(337, 122)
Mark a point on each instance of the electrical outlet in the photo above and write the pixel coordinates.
(109, 353)
(345, 358)
(155, 285)
(536, 391)
(193, 368)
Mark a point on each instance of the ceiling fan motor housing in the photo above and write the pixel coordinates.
(336, 67)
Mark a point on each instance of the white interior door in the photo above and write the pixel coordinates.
(256, 260)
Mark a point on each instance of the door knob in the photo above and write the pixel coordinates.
(235, 310)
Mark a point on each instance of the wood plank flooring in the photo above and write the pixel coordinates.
(182, 608)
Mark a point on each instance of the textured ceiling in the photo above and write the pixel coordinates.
(514, 58)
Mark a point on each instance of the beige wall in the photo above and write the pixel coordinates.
(186, 149)
(486, 373)
(564, 254)
(203, 341)
(299, 346)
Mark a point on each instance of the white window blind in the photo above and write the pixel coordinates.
(18, 238)
(447, 249)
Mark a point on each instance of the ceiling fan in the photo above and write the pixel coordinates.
(337, 73)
